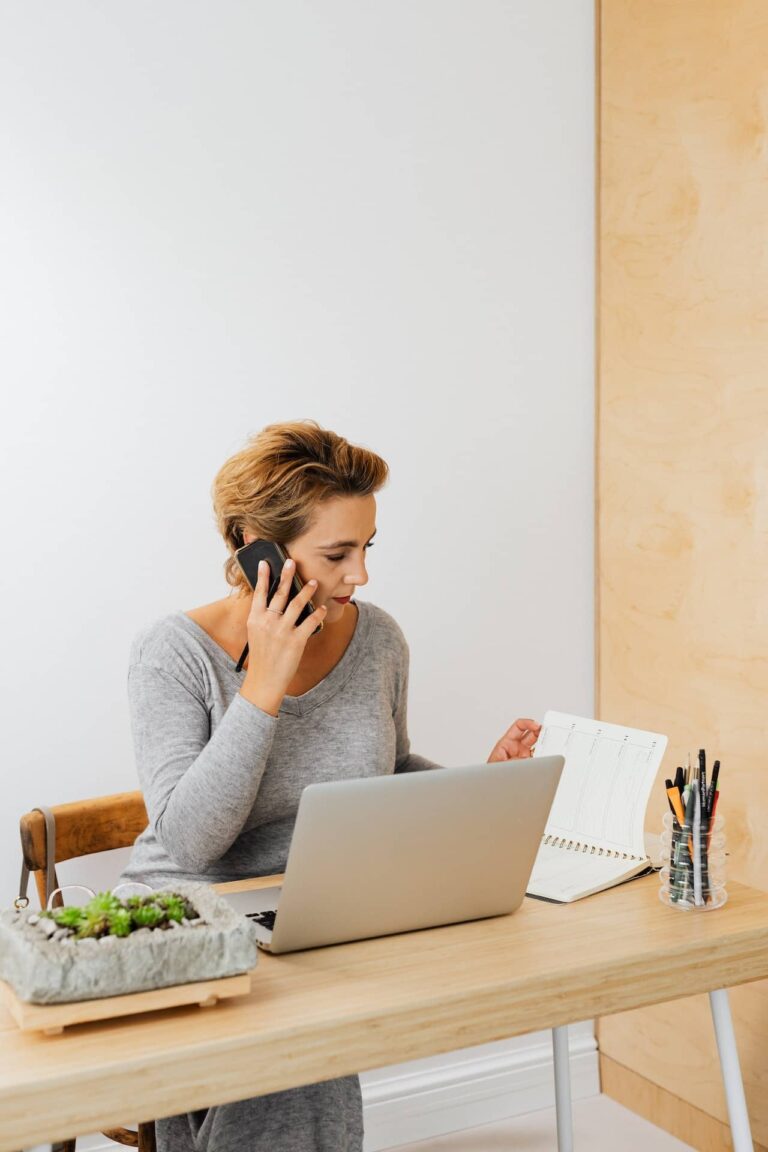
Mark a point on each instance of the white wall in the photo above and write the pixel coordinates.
(217, 215)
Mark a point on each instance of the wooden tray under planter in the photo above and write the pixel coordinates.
(50, 983)
(54, 1018)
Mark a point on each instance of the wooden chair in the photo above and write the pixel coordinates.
(80, 829)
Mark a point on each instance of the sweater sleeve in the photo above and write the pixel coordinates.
(199, 788)
(405, 760)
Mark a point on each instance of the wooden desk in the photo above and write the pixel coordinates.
(332, 1011)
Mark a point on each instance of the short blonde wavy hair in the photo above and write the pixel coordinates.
(271, 488)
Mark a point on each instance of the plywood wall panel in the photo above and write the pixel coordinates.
(688, 1123)
(683, 444)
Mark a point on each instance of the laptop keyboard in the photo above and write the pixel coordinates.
(266, 919)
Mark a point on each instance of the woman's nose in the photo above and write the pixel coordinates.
(359, 578)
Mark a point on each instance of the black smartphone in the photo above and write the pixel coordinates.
(248, 558)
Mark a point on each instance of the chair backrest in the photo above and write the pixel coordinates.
(82, 827)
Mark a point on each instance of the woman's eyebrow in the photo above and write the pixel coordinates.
(343, 543)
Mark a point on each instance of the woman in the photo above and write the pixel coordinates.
(223, 755)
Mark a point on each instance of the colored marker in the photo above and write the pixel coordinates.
(674, 800)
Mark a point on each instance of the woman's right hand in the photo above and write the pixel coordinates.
(275, 644)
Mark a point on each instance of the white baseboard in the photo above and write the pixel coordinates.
(459, 1090)
(473, 1090)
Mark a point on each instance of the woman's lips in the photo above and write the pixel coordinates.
(342, 599)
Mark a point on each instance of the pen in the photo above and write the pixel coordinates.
(714, 807)
(679, 779)
(697, 898)
(242, 660)
(713, 788)
(687, 844)
(706, 891)
(703, 782)
(675, 873)
(675, 847)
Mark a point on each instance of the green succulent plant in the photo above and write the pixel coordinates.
(174, 908)
(147, 916)
(134, 901)
(106, 914)
(93, 922)
(105, 902)
(68, 917)
(119, 921)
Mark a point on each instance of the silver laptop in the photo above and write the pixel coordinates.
(392, 854)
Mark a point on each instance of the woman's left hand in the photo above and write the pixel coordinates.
(517, 742)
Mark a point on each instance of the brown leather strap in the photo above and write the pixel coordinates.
(126, 1136)
(143, 1139)
(22, 900)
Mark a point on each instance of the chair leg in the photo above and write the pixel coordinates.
(562, 1089)
(731, 1069)
(147, 1137)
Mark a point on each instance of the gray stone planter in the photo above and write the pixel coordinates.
(46, 971)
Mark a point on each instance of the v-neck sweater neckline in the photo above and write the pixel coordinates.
(324, 689)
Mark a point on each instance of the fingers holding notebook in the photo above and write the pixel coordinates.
(517, 742)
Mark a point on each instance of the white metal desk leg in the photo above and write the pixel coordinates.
(562, 1089)
(731, 1069)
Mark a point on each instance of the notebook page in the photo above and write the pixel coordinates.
(561, 875)
(607, 779)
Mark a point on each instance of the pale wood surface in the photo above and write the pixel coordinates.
(654, 1039)
(49, 1017)
(331, 1011)
(682, 468)
(691, 1125)
(85, 826)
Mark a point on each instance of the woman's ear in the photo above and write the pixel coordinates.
(248, 537)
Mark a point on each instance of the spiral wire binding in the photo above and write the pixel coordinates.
(585, 846)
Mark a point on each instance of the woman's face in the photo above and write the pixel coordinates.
(332, 550)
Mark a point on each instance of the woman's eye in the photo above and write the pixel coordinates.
(335, 559)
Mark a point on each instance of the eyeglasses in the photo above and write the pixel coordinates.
(74, 895)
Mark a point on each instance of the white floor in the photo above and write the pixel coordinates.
(599, 1125)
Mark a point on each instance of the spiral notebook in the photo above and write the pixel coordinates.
(594, 835)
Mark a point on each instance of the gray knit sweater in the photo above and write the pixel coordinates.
(222, 779)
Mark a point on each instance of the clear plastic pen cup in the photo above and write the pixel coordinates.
(693, 865)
